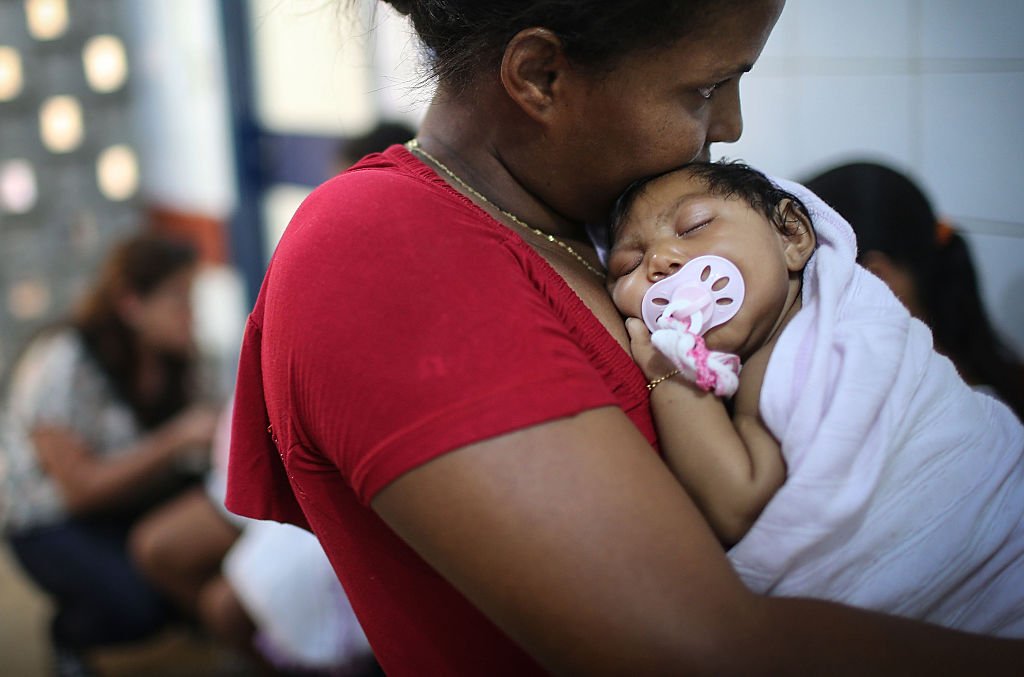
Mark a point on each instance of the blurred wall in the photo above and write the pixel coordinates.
(181, 106)
(69, 166)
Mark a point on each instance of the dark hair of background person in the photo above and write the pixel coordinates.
(466, 37)
(385, 134)
(139, 265)
(891, 215)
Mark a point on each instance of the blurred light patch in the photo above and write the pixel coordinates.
(60, 124)
(10, 73)
(28, 299)
(47, 19)
(117, 172)
(105, 62)
(18, 192)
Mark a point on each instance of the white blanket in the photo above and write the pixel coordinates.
(905, 487)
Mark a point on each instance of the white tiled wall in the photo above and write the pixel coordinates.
(933, 87)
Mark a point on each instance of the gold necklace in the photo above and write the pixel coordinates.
(414, 146)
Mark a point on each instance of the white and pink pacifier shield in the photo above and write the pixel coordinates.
(707, 291)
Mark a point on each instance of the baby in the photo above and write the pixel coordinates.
(851, 462)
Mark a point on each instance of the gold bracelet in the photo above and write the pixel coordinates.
(654, 384)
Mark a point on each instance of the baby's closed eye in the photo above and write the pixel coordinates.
(623, 262)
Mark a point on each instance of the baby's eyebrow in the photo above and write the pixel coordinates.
(677, 204)
(628, 240)
(614, 227)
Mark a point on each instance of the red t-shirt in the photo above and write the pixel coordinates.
(398, 322)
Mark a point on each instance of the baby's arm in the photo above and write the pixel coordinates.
(731, 467)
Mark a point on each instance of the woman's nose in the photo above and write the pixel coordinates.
(726, 122)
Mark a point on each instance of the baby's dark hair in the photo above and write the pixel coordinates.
(726, 180)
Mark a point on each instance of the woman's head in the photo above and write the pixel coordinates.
(144, 288)
(580, 98)
(140, 303)
(926, 264)
(894, 222)
(468, 37)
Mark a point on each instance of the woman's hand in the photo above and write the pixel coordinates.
(194, 427)
(90, 481)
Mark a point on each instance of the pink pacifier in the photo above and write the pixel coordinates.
(706, 292)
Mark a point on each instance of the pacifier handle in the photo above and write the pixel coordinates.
(692, 289)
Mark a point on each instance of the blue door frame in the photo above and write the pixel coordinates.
(261, 158)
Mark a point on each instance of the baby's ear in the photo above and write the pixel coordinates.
(797, 233)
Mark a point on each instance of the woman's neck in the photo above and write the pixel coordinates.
(451, 132)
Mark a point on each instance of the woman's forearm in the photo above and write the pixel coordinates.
(90, 482)
(816, 637)
(574, 540)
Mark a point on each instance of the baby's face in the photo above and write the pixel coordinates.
(676, 219)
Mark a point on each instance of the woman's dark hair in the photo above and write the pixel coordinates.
(726, 180)
(139, 265)
(892, 215)
(463, 36)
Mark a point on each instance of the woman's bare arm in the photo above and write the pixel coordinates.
(575, 539)
(90, 482)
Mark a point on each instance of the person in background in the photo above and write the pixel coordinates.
(927, 264)
(264, 589)
(435, 381)
(101, 424)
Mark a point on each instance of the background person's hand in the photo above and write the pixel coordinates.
(195, 427)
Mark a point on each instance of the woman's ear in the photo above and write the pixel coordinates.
(797, 234)
(534, 71)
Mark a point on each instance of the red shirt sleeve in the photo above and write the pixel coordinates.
(258, 486)
(399, 324)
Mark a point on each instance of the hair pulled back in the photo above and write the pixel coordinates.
(892, 215)
(464, 37)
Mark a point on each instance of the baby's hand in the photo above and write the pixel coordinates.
(650, 360)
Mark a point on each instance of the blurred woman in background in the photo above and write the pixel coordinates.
(101, 426)
(928, 266)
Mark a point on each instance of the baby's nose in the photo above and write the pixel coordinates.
(664, 264)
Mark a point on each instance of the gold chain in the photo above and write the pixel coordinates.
(654, 384)
(414, 146)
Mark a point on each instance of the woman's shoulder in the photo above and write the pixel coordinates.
(57, 349)
(387, 213)
(54, 365)
(385, 192)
